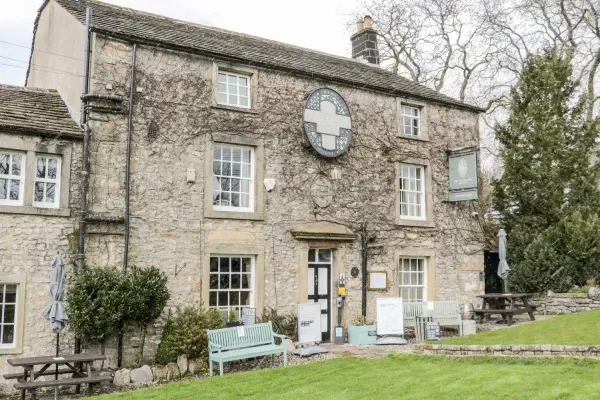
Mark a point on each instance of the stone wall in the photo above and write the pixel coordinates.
(175, 120)
(28, 244)
(544, 350)
(567, 303)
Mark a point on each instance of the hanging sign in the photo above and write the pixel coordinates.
(327, 122)
(390, 316)
(309, 323)
(463, 177)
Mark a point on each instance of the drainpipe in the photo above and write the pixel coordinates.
(85, 168)
(128, 157)
(364, 242)
(127, 191)
(86, 142)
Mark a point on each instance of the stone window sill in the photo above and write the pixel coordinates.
(237, 109)
(14, 350)
(29, 210)
(417, 223)
(417, 138)
(254, 216)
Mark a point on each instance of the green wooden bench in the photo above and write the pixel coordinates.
(447, 313)
(243, 342)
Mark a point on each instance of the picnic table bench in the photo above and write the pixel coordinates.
(496, 303)
(243, 342)
(79, 365)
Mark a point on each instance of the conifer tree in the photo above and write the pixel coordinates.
(548, 147)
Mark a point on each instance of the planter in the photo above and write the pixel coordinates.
(362, 334)
(233, 324)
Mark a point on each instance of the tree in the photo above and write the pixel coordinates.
(146, 301)
(547, 151)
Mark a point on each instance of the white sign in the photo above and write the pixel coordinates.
(377, 280)
(309, 323)
(248, 315)
(390, 316)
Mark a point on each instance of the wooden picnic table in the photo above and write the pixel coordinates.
(78, 365)
(505, 304)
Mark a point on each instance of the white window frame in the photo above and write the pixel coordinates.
(251, 290)
(401, 272)
(56, 181)
(11, 177)
(16, 318)
(227, 75)
(410, 116)
(251, 180)
(422, 192)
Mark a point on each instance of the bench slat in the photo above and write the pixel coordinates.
(48, 372)
(61, 382)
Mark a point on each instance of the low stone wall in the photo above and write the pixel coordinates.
(567, 303)
(511, 350)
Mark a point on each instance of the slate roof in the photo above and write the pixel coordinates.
(37, 111)
(190, 37)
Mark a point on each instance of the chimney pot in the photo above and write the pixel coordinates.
(360, 26)
(368, 22)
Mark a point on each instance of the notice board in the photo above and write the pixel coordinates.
(309, 323)
(390, 316)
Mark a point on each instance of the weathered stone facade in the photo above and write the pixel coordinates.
(532, 350)
(176, 121)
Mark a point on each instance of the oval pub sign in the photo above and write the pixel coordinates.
(327, 122)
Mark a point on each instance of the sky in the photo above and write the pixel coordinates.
(315, 24)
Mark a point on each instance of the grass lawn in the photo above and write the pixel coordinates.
(395, 377)
(572, 329)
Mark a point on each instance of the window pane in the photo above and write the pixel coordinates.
(224, 264)
(245, 186)
(246, 155)
(324, 255)
(236, 154)
(244, 101)
(50, 188)
(234, 299)
(52, 168)
(222, 88)
(9, 314)
(233, 99)
(246, 170)
(216, 167)
(235, 281)
(246, 281)
(243, 91)
(223, 299)
(222, 78)
(217, 153)
(7, 334)
(235, 200)
(232, 89)
(232, 79)
(236, 264)
(10, 294)
(212, 299)
(243, 81)
(245, 200)
(246, 265)
(14, 189)
(4, 164)
(214, 264)
(222, 98)
(16, 165)
(236, 169)
(227, 153)
(40, 171)
(3, 188)
(224, 281)
(245, 298)
(38, 194)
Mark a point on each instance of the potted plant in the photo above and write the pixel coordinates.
(232, 320)
(361, 331)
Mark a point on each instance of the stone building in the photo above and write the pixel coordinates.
(250, 171)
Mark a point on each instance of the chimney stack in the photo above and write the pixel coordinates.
(364, 42)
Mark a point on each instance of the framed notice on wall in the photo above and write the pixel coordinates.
(463, 176)
(377, 280)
